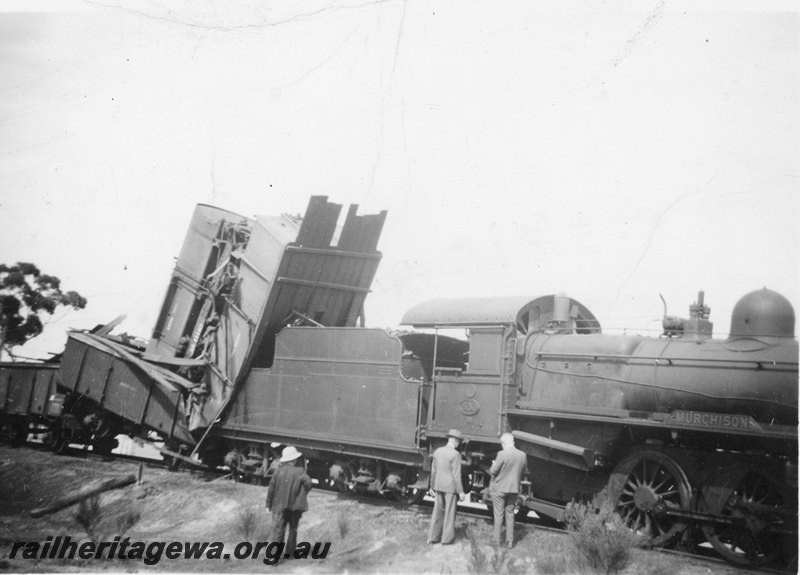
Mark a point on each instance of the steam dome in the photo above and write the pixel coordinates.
(762, 313)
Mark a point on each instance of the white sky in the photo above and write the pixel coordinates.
(611, 150)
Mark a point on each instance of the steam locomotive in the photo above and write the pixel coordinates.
(260, 342)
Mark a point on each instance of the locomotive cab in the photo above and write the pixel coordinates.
(479, 396)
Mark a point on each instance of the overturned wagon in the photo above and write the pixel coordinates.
(237, 282)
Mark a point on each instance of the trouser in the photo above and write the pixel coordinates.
(443, 518)
(280, 521)
(504, 504)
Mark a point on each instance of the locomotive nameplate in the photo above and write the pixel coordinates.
(705, 419)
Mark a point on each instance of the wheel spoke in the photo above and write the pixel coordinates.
(655, 474)
(662, 484)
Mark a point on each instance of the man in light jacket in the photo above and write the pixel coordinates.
(506, 471)
(446, 483)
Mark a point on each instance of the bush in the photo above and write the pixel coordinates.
(342, 524)
(89, 515)
(483, 558)
(126, 520)
(248, 520)
(487, 558)
(600, 538)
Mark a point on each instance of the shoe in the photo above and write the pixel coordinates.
(510, 545)
(429, 542)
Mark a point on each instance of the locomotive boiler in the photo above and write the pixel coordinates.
(695, 438)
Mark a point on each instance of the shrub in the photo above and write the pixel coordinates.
(600, 538)
(486, 558)
(342, 524)
(248, 520)
(88, 516)
(126, 520)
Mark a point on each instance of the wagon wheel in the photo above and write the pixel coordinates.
(407, 496)
(340, 476)
(757, 507)
(103, 446)
(55, 440)
(645, 485)
(19, 432)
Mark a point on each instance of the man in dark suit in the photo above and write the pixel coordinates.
(446, 483)
(506, 471)
(286, 497)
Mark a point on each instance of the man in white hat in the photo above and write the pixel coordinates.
(286, 497)
(506, 471)
(446, 483)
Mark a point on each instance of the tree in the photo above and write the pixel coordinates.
(26, 295)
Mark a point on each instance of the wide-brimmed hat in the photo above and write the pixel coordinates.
(456, 434)
(274, 444)
(290, 454)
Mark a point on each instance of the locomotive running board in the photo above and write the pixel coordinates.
(694, 421)
(561, 452)
(541, 507)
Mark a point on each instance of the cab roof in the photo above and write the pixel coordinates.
(523, 311)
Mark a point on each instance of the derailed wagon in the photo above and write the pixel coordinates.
(29, 398)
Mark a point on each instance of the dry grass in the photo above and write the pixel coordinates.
(654, 563)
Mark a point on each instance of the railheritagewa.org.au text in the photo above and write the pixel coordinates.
(151, 552)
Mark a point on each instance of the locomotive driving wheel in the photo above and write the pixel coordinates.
(755, 506)
(645, 485)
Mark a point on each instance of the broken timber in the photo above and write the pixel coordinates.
(84, 493)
